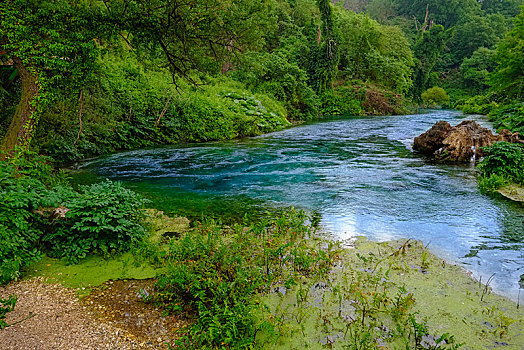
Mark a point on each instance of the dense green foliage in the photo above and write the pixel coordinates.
(54, 57)
(435, 96)
(19, 228)
(132, 108)
(102, 218)
(373, 52)
(503, 101)
(510, 116)
(471, 33)
(428, 47)
(217, 278)
(504, 162)
(509, 8)
(475, 71)
(468, 48)
(295, 54)
(445, 12)
(509, 76)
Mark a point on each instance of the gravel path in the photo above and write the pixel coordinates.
(60, 321)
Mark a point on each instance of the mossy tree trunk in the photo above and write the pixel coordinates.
(22, 124)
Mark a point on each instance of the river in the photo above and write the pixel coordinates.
(359, 174)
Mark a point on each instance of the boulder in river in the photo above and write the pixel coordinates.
(461, 143)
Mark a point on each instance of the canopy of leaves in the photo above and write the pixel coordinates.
(504, 159)
(476, 69)
(203, 35)
(509, 76)
(60, 50)
(373, 52)
(444, 12)
(473, 32)
(427, 49)
(435, 95)
(508, 8)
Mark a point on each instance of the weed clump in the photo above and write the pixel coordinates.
(217, 277)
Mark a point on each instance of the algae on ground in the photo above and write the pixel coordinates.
(512, 191)
(95, 270)
(91, 271)
(382, 294)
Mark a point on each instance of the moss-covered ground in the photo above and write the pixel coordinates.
(513, 191)
(377, 285)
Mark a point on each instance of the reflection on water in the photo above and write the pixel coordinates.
(360, 174)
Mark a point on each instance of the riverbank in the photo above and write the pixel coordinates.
(514, 192)
(378, 295)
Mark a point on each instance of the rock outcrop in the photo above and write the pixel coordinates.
(461, 143)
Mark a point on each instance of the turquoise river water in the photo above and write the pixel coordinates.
(359, 174)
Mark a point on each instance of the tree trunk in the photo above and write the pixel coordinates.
(21, 127)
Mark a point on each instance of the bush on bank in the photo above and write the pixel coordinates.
(37, 217)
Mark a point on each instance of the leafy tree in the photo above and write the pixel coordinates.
(372, 52)
(508, 79)
(280, 75)
(202, 35)
(284, 68)
(427, 49)
(508, 8)
(444, 12)
(474, 32)
(322, 65)
(52, 45)
(475, 70)
(435, 95)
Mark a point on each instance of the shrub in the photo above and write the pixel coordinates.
(215, 276)
(201, 120)
(379, 101)
(102, 218)
(480, 104)
(342, 101)
(435, 96)
(20, 229)
(491, 183)
(509, 116)
(505, 160)
(276, 74)
(224, 110)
